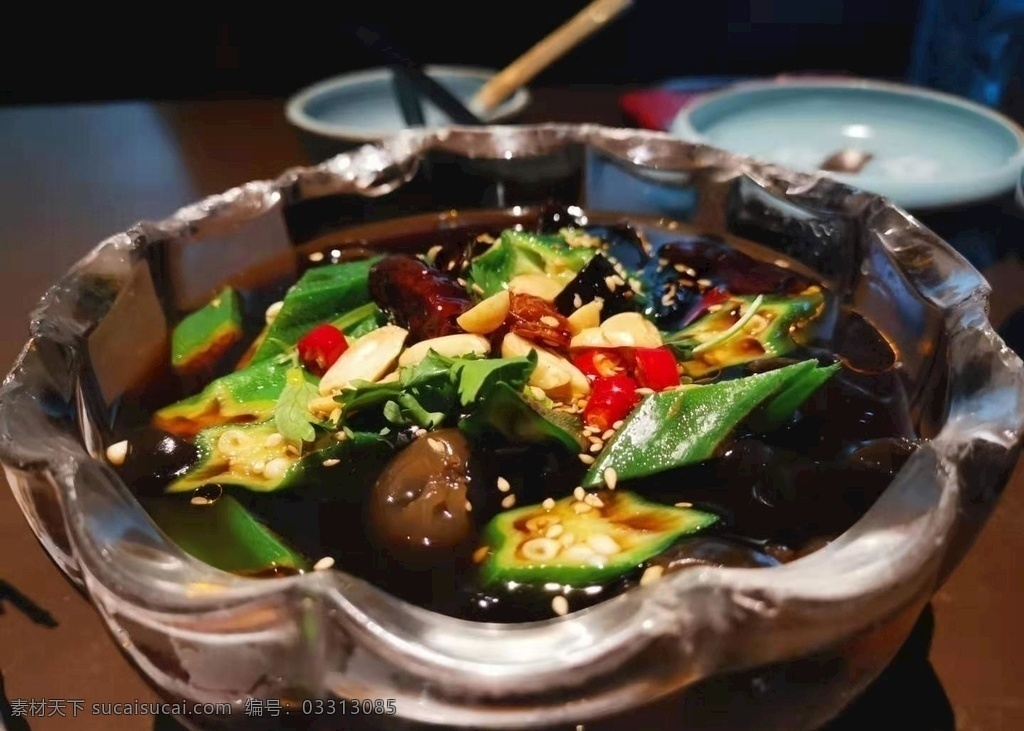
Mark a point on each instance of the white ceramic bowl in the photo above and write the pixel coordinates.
(931, 150)
(357, 108)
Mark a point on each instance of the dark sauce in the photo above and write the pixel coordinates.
(780, 495)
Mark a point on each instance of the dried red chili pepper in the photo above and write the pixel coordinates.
(611, 399)
(320, 347)
(534, 319)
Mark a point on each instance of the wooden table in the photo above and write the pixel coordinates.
(72, 175)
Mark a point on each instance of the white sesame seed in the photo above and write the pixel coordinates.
(595, 448)
(461, 281)
(323, 564)
(684, 505)
(340, 436)
(586, 459)
(580, 508)
(469, 507)
(503, 485)
(611, 477)
(554, 531)
(662, 262)
(508, 501)
(644, 391)
(579, 493)
(594, 439)
(200, 500)
(548, 503)
(610, 282)
(608, 435)
(593, 501)
(577, 301)
(560, 605)
(549, 320)
(316, 256)
(480, 554)
(477, 288)
(335, 415)
(331, 462)
(618, 424)
(538, 393)
(272, 311)
(420, 432)
(435, 445)
(433, 251)
(117, 453)
(703, 282)
(652, 574)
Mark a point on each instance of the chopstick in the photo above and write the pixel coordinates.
(408, 98)
(428, 87)
(548, 50)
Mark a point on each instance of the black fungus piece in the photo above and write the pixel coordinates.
(597, 278)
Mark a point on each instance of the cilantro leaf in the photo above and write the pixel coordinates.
(291, 413)
(477, 378)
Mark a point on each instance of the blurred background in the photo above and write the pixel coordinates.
(181, 53)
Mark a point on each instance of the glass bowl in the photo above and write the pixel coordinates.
(779, 648)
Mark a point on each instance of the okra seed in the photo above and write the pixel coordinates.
(323, 564)
(560, 605)
(555, 531)
(117, 452)
(577, 552)
(602, 544)
(540, 549)
(230, 441)
(275, 468)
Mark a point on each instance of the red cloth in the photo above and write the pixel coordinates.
(656, 108)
